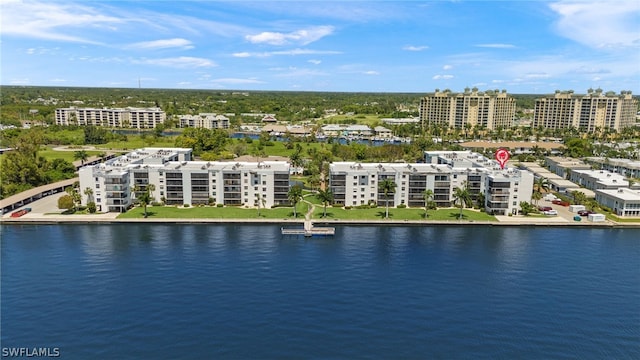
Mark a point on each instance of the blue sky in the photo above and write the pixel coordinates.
(381, 46)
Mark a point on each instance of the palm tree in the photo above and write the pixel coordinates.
(75, 195)
(326, 197)
(462, 196)
(428, 197)
(387, 186)
(102, 156)
(260, 201)
(295, 195)
(541, 184)
(89, 192)
(81, 155)
(144, 197)
(536, 196)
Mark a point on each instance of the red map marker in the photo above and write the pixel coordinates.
(502, 156)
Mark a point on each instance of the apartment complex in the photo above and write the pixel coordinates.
(356, 184)
(136, 118)
(178, 180)
(489, 109)
(588, 113)
(204, 120)
(624, 202)
(626, 167)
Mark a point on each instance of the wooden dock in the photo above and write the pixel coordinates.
(309, 230)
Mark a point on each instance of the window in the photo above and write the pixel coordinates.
(97, 186)
(98, 200)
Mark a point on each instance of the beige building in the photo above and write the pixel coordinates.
(588, 113)
(136, 118)
(489, 109)
(204, 120)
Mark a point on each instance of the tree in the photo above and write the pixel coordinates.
(541, 184)
(428, 200)
(66, 202)
(462, 196)
(295, 195)
(91, 207)
(536, 196)
(75, 195)
(579, 197)
(144, 197)
(526, 208)
(89, 192)
(387, 186)
(326, 197)
(261, 200)
(81, 155)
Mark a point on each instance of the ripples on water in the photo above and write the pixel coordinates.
(223, 291)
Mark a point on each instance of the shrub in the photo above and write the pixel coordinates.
(156, 203)
(219, 205)
(91, 207)
(347, 207)
(186, 205)
(401, 206)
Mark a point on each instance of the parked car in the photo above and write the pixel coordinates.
(544, 208)
(560, 202)
(585, 212)
(551, 212)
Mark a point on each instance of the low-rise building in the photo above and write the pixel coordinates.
(623, 201)
(177, 180)
(382, 132)
(204, 120)
(563, 166)
(598, 179)
(626, 167)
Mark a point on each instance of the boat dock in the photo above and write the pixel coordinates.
(309, 230)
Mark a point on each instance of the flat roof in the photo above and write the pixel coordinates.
(625, 194)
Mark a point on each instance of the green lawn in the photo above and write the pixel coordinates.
(231, 212)
(621, 220)
(51, 154)
(401, 214)
(208, 212)
(277, 148)
(136, 142)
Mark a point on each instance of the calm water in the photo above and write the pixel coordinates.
(244, 292)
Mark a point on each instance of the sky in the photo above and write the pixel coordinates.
(524, 47)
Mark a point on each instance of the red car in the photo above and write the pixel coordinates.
(560, 202)
(544, 208)
(585, 212)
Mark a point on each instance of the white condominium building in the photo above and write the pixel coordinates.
(178, 180)
(594, 111)
(355, 184)
(136, 118)
(489, 109)
(204, 120)
(623, 201)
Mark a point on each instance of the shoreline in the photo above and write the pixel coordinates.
(93, 219)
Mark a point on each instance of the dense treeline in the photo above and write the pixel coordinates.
(23, 168)
(39, 103)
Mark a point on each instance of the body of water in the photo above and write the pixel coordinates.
(155, 291)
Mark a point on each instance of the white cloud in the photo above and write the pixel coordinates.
(58, 80)
(497, 81)
(292, 52)
(301, 37)
(496, 46)
(315, 62)
(447, 67)
(537, 76)
(163, 44)
(371, 72)
(599, 24)
(178, 62)
(442, 77)
(415, 48)
(237, 81)
(23, 81)
(53, 21)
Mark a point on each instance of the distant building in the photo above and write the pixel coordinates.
(489, 109)
(204, 120)
(178, 180)
(598, 179)
(383, 132)
(563, 166)
(136, 118)
(626, 167)
(594, 111)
